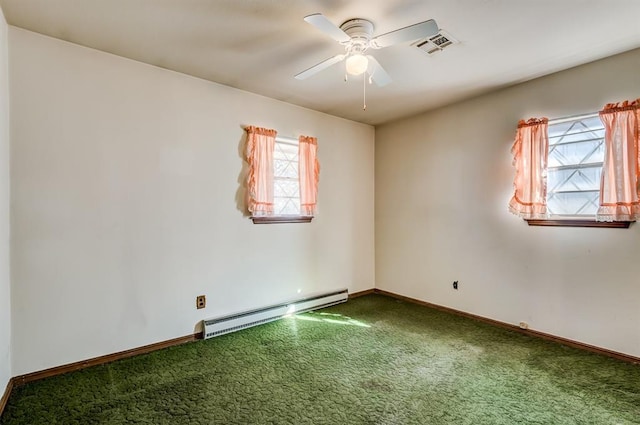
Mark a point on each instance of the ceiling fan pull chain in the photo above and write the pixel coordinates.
(364, 93)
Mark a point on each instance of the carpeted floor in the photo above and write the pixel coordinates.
(373, 360)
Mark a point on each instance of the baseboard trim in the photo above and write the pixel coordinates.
(362, 293)
(5, 396)
(59, 370)
(543, 335)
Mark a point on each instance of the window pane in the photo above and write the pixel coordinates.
(286, 206)
(286, 191)
(286, 188)
(586, 152)
(576, 152)
(578, 129)
(284, 168)
(573, 203)
(572, 179)
(285, 151)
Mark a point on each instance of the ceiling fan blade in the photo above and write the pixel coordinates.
(319, 67)
(319, 21)
(412, 32)
(377, 72)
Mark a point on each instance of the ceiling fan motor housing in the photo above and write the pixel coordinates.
(360, 31)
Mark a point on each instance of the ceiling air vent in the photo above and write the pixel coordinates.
(435, 43)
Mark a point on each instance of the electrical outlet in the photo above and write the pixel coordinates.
(201, 301)
(455, 284)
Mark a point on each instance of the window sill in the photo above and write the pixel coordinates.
(281, 219)
(580, 223)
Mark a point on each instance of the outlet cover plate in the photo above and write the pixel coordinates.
(201, 301)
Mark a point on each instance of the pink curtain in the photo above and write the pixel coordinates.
(309, 171)
(530, 151)
(619, 197)
(260, 144)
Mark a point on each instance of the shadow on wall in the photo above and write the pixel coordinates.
(241, 193)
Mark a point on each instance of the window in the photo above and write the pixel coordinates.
(579, 171)
(576, 153)
(282, 182)
(286, 183)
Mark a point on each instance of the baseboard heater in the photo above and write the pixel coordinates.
(223, 325)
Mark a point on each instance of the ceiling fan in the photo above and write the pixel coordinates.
(356, 35)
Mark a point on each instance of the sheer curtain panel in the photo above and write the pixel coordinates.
(260, 144)
(309, 171)
(619, 192)
(530, 151)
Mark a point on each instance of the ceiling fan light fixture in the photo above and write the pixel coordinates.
(357, 64)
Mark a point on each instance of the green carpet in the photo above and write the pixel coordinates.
(373, 360)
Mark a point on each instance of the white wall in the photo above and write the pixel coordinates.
(443, 182)
(5, 290)
(124, 187)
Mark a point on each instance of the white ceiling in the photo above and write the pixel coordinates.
(259, 45)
